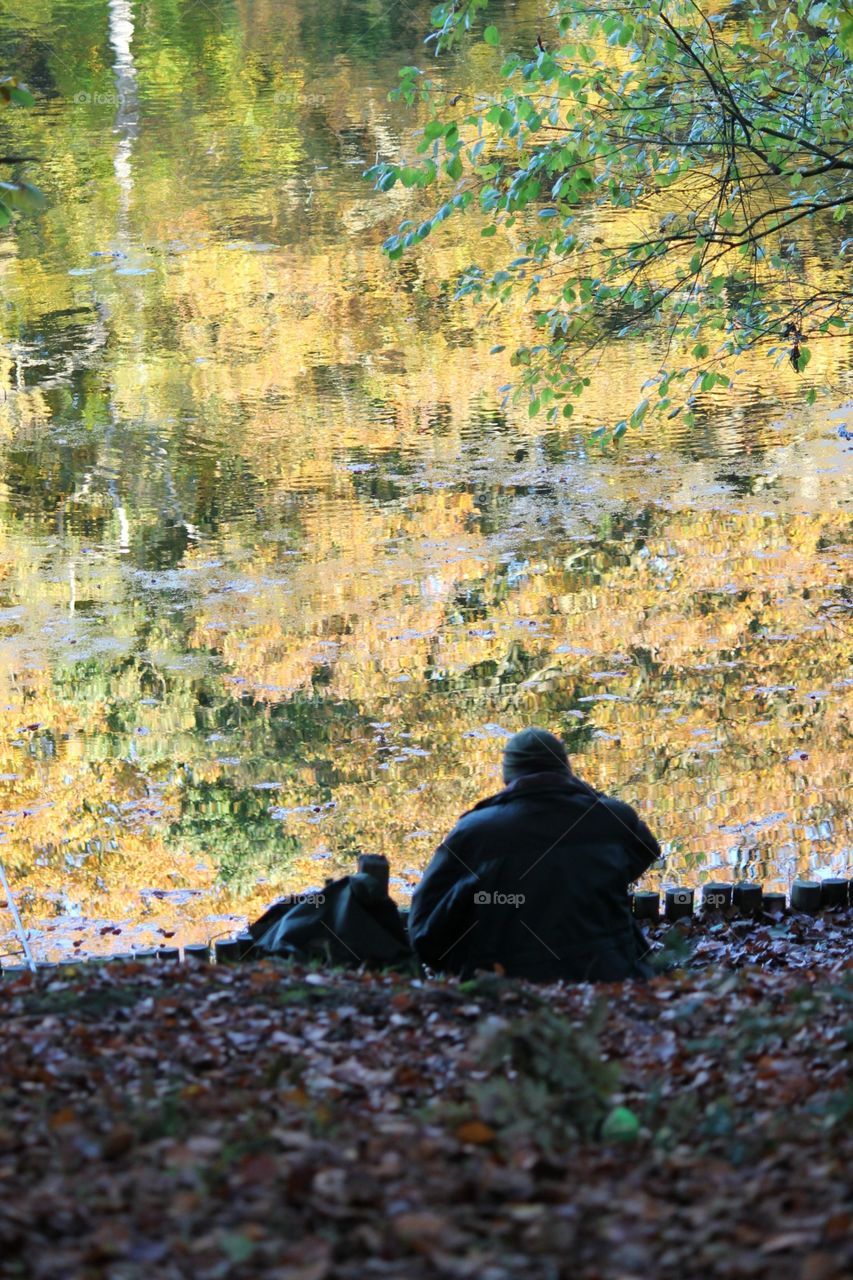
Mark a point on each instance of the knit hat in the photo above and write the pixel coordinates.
(533, 751)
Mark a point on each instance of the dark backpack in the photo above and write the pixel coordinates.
(352, 921)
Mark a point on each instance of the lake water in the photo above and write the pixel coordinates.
(277, 571)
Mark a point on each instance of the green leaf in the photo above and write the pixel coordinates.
(492, 36)
(453, 167)
(5, 215)
(22, 196)
(639, 413)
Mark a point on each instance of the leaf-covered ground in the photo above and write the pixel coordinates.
(272, 1121)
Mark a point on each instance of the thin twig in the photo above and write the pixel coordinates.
(13, 911)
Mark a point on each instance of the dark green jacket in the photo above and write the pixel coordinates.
(535, 880)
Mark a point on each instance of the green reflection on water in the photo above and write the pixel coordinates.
(277, 571)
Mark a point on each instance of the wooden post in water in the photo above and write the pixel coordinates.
(227, 950)
(247, 943)
(197, 953)
(805, 896)
(716, 896)
(679, 904)
(834, 892)
(747, 898)
(647, 906)
(774, 903)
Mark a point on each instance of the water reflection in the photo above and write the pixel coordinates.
(277, 571)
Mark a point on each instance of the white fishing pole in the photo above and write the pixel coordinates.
(13, 911)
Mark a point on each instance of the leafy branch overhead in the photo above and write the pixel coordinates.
(16, 196)
(649, 168)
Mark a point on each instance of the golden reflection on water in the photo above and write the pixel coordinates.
(276, 570)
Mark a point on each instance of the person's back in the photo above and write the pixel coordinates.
(534, 880)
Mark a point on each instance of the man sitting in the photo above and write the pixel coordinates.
(533, 882)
